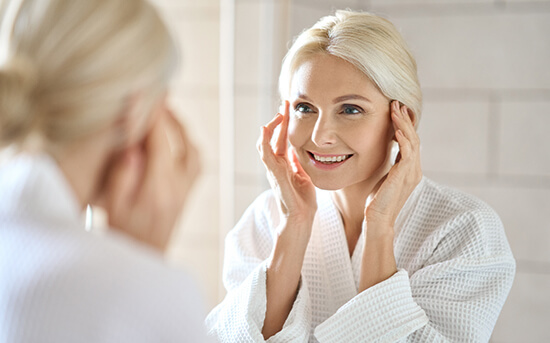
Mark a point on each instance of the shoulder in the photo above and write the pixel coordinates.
(459, 222)
(74, 278)
(260, 218)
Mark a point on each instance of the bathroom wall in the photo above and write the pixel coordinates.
(195, 98)
(483, 66)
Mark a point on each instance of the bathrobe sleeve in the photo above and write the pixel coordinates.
(455, 297)
(240, 316)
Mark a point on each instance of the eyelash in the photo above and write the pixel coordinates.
(357, 109)
(304, 108)
(301, 106)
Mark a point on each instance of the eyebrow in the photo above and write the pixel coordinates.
(338, 99)
(350, 97)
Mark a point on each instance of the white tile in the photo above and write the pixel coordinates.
(526, 313)
(376, 3)
(481, 50)
(525, 216)
(248, 120)
(261, 40)
(526, 1)
(198, 41)
(200, 216)
(454, 137)
(303, 16)
(247, 42)
(200, 115)
(195, 243)
(524, 145)
(167, 4)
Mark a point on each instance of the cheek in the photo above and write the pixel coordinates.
(297, 132)
(373, 142)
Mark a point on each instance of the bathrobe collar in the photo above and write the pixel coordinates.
(34, 188)
(344, 271)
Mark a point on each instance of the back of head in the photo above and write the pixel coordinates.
(371, 43)
(70, 66)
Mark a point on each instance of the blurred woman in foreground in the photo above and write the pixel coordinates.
(83, 104)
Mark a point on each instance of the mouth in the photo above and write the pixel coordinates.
(330, 161)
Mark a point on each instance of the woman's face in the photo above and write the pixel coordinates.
(340, 124)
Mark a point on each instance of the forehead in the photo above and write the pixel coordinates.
(326, 76)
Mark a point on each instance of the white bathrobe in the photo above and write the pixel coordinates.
(455, 269)
(59, 283)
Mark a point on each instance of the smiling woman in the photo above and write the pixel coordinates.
(333, 118)
(353, 244)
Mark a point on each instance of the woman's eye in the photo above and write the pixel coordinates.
(347, 109)
(303, 108)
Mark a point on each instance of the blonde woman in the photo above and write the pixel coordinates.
(82, 103)
(353, 244)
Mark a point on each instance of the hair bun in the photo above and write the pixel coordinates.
(18, 79)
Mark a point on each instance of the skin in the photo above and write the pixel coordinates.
(142, 186)
(336, 113)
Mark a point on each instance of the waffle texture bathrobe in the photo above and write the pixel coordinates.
(455, 270)
(59, 283)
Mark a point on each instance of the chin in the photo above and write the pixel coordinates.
(328, 185)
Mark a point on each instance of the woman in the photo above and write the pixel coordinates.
(82, 102)
(353, 244)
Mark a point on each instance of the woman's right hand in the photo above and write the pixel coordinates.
(298, 204)
(289, 181)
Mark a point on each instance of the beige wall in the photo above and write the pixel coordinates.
(195, 98)
(484, 70)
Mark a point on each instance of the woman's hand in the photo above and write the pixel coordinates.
(297, 202)
(291, 184)
(147, 187)
(396, 187)
(378, 260)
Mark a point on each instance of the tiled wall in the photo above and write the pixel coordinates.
(195, 98)
(484, 70)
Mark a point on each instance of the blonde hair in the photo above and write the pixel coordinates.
(371, 43)
(70, 66)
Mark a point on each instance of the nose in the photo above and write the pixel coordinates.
(324, 133)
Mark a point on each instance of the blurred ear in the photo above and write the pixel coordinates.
(137, 117)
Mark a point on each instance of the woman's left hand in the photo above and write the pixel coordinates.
(395, 188)
(146, 189)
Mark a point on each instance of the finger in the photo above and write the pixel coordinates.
(266, 133)
(177, 136)
(274, 122)
(281, 145)
(264, 147)
(408, 127)
(405, 147)
(401, 121)
(394, 110)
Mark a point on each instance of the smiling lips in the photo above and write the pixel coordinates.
(330, 161)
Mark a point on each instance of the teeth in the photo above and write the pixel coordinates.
(330, 159)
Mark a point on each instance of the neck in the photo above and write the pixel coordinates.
(83, 166)
(350, 202)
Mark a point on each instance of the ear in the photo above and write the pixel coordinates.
(137, 116)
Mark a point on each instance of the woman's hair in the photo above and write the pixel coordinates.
(69, 67)
(371, 43)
